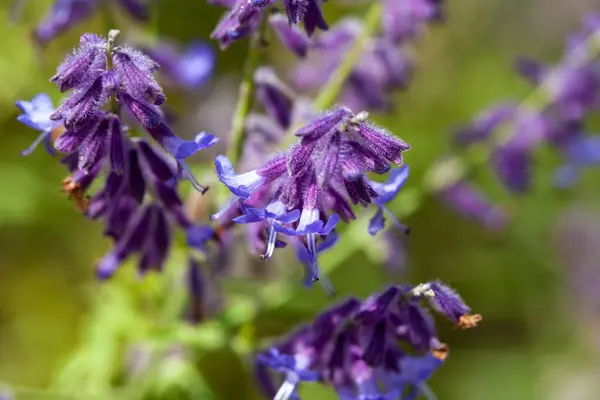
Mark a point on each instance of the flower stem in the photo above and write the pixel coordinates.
(245, 98)
(328, 95)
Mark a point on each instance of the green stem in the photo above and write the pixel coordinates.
(329, 94)
(245, 98)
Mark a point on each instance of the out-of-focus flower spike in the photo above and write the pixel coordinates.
(63, 15)
(469, 202)
(290, 35)
(274, 95)
(188, 68)
(138, 9)
(531, 69)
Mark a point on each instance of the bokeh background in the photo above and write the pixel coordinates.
(537, 283)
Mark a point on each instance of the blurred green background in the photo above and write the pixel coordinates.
(539, 337)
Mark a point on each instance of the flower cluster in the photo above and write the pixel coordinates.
(384, 66)
(64, 14)
(138, 203)
(571, 89)
(244, 18)
(305, 191)
(553, 115)
(355, 347)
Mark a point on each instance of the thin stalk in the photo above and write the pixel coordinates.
(246, 95)
(332, 89)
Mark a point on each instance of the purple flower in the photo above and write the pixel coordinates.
(65, 14)
(36, 115)
(467, 201)
(189, 68)
(243, 18)
(581, 151)
(307, 190)
(382, 69)
(358, 348)
(402, 19)
(290, 35)
(129, 81)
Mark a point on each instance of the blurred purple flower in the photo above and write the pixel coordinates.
(407, 18)
(243, 18)
(467, 201)
(65, 14)
(189, 68)
(381, 70)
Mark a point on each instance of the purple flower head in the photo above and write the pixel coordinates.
(36, 115)
(484, 124)
(290, 35)
(512, 159)
(580, 152)
(243, 18)
(467, 201)
(99, 70)
(188, 68)
(402, 19)
(276, 96)
(65, 14)
(572, 86)
(382, 69)
(318, 178)
(239, 22)
(358, 349)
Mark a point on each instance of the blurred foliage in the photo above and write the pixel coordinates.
(51, 306)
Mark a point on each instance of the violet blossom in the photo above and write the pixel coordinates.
(381, 70)
(188, 68)
(138, 203)
(65, 14)
(354, 347)
(308, 189)
(243, 18)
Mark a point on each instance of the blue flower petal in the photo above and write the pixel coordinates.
(240, 185)
(388, 190)
(377, 222)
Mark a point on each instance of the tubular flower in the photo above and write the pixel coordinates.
(65, 14)
(307, 190)
(138, 202)
(243, 18)
(354, 347)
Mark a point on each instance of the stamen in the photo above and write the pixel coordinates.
(270, 244)
(286, 390)
(76, 193)
(469, 321)
(396, 222)
(441, 352)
